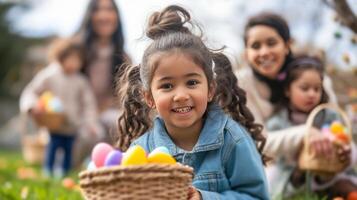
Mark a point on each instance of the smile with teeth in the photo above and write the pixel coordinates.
(182, 109)
(266, 63)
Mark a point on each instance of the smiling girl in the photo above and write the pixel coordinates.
(201, 113)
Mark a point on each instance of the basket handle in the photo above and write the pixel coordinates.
(321, 107)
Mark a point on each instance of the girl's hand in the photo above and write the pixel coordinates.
(344, 154)
(193, 194)
(320, 144)
(36, 112)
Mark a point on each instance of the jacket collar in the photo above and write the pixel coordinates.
(211, 136)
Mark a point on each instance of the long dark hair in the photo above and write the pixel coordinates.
(280, 25)
(169, 34)
(88, 36)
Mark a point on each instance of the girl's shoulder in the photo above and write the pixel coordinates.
(236, 131)
(142, 141)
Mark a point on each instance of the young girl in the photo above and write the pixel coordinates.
(202, 117)
(63, 80)
(303, 92)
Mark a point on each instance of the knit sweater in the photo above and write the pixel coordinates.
(283, 142)
(72, 89)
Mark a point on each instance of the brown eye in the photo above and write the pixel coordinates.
(271, 42)
(192, 82)
(255, 45)
(166, 86)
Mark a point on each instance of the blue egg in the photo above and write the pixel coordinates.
(56, 105)
(161, 149)
(325, 126)
(113, 158)
(91, 166)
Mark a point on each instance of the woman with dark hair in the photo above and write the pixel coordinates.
(267, 51)
(102, 35)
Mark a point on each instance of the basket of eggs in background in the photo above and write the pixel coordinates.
(52, 116)
(339, 132)
(134, 174)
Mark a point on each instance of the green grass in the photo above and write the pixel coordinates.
(40, 188)
(35, 187)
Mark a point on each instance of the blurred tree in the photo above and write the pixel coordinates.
(12, 52)
(344, 13)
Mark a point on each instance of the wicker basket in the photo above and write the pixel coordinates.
(151, 181)
(52, 121)
(33, 149)
(322, 165)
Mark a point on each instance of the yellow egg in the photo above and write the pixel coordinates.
(46, 96)
(336, 127)
(161, 157)
(134, 156)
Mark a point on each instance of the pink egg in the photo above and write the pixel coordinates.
(100, 152)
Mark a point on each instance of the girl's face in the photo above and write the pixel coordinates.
(72, 63)
(179, 92)
(265, 50)
(305, 92)
(104, 19)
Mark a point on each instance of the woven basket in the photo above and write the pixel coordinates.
(322, 165)
(52, 121)
(151, 181)
(33, 149)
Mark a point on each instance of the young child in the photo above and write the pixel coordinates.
(303, 92)
(63, 80)
(202, 115)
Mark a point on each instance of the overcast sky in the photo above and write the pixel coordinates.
(222, 21)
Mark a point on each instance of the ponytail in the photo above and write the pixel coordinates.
(232, 99)
(134, 118)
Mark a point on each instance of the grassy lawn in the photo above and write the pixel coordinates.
(21, 181)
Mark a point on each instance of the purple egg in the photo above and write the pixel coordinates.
(113, 158)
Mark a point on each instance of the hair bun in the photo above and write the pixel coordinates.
(171, 19)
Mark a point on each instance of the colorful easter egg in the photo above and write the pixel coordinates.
(161, 157)
(135, 155)
(100, 152)
(91, 166)
(161, 149)
(325, 130)
(113, 158)
(352, 195)
(343, 137)
(336, 127)
(41, 105)
(46, 96)
(68, 183)
(56, 105)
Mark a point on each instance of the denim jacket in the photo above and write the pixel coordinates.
(225, 160)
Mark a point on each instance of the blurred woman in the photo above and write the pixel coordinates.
(102, 35)
(268, 52)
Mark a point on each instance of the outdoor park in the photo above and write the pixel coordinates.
(323, 29)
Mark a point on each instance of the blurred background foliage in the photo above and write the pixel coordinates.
(13, 49)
